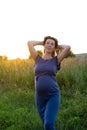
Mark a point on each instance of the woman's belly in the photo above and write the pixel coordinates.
(46, 85)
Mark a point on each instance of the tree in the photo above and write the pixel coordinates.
(3, 58)
(70, 54)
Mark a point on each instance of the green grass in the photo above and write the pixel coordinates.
(17, 110)
(17, 101)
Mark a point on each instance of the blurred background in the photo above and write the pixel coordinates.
(25, 20)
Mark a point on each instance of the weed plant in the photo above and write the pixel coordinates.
(17, 100)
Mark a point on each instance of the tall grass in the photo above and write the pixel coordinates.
(72, 77)
(18, 73)
(17, 105)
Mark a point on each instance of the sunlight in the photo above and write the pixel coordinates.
(20, 25)
(23, 53)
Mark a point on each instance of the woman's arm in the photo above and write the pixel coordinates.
(31, 48)
(64, 51)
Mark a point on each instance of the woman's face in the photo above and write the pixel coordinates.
(49, 46)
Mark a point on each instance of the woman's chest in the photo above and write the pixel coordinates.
(45, 66)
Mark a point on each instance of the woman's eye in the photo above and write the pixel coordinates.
(51, 43)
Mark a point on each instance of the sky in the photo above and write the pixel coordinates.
(24, 20)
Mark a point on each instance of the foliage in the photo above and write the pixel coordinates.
(17, 105)
(70, 54)
(3, 58)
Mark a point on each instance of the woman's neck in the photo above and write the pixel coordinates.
(47, 56)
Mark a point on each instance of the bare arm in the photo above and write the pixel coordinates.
(31, 48)
(64, 51)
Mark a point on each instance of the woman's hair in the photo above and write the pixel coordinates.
(56, 43)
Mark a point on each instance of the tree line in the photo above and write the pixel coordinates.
(3, 57)
(70, 54)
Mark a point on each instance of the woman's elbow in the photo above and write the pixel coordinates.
(28, 42)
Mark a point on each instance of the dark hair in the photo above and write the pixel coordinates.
(56, 43)
(49, 37)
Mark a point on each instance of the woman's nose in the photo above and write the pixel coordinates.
(49, 44)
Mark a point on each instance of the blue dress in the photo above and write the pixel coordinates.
(47, 90)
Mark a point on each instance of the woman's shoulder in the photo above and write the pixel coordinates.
(38, 58)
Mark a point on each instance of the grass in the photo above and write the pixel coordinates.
(17, 103)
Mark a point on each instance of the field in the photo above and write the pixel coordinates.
(17, 106)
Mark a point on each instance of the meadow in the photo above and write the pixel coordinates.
(17, 101)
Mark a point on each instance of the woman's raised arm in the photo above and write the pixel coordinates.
(64, 51)
(31, 48)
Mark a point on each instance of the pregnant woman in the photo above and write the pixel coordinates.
(46, 86)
